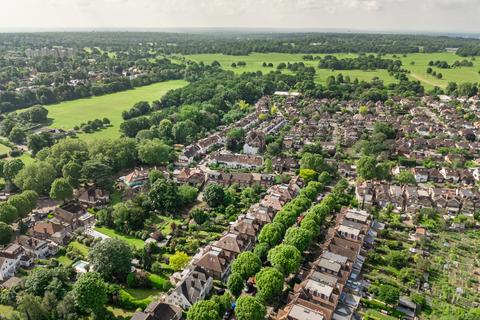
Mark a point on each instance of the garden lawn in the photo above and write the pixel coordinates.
(69, 114)
(418, 71)
(64, 260)
(137, 243)
(118, 312)
(80, 246)
(4, 149)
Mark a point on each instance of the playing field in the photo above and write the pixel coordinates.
(254, 63)
(67, 115)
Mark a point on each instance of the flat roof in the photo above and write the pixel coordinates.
(324, 278)
(329, 265)
(319, 287)
(303, 313)
(356, 216)
(334, 257)
(348, 230)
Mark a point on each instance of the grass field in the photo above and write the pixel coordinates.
(137, 243)
(4, 149)
(68, 114)
(254, 63)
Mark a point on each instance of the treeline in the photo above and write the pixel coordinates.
(362, 62)
(244, 43)
(444, 64)
(469, 50)
(11, 100)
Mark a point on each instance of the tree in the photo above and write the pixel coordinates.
(179, 260)
(90, 292)
(61, 190)
(199, 215)
(235, 284)
(405, 177)
(285, 258)
(17, 135)
(203, 310)
(214, 195)
(5, 233)
(261, 250)
(367, 168)
(21, 203)
(247, 264)
(8, 213)
(164, 195)
(11, 168)
(269, 283)
(271, 234)
(32, 308)
(98, 173)
(312, 161)
(112, 258)
(235, 139)
(37, 176)
(308, 174)
(298, 237)
(224, 302)
(32, 198)
(388, 293)
(250, 308)
(187, 194)
(72, 172)
(155, 152)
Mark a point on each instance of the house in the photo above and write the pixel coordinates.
(11, 258)
(137, 178)
(281, 164)
(421, 174)
(158, 310)
(364, 195)
(54, 231)
(40, 249)
(194, 287)
(234, 243)
(73, 216)
(92, 197)
(237, 161)
(254, 142)
(215, 262)
(301, 310)
(347, 170)
(187, 175)
(450, 175)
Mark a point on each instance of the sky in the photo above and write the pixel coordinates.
(375, 15)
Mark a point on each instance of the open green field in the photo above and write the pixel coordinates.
(254, 63)
(137, 243)
(68, 114)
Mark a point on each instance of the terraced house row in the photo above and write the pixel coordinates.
(213, 262)
(331, 285)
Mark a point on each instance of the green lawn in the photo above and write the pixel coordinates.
(118, 312)
(254, 63)
(80, 247)
(68, 114)
(137, 243)
(4, 149)
(64, 260)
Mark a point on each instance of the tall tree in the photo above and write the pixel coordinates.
(247, 264)
(112, 258)
(90, 292)
(250, 308)
(61, 190)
